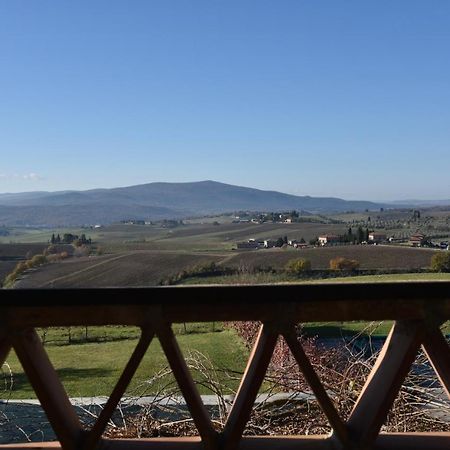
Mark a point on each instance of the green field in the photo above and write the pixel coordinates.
(92, 369)
(389, 277)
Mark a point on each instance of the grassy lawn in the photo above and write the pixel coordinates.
(261, 278)
(91, 369)
(389, 277)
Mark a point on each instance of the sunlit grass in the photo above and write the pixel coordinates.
(92, 369)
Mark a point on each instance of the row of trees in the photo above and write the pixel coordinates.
(302, 265)
(69, 238)
(31, 263)
(440, 262)
(355, 237)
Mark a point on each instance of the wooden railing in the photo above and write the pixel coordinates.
(418, 310)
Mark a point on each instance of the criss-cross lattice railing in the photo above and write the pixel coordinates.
(418, 310)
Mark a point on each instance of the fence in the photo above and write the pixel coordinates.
(418, 310)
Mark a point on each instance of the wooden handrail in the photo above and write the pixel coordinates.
(417, 309)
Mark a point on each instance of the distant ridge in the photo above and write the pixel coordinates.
(155, 201)
(422, 203)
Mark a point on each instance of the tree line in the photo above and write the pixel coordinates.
(69, 238)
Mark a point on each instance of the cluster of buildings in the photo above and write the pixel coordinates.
(417, 240)
(420, 240)
(374, 237)
(270, 243)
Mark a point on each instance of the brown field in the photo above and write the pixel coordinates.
(11, 254)
(370, 257)
(204, 237)
(6, 267)
(147, 268)
(136, 255)
(138, 268)
(20, 251)
(226, 232)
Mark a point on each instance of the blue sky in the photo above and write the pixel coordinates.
(343, 98)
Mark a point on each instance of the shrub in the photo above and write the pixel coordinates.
(340, 263)
(298, 266)
(50, 250)
(37, 260)
(440, 262)
(21, 267)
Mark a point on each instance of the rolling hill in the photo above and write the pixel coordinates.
(155, 201)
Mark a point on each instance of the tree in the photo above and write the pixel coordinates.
(340, 263)
(298, 266)
(53, 239)
(440, 262)
(360, 235)
(68, 238)
(280, 242)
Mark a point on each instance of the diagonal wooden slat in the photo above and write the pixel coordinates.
(383, 301)
(437, 349)
(314, 382)
(187, 386)
(5, 348)
(97, 430)
(385, 381)
(48, 388)
(251, 382)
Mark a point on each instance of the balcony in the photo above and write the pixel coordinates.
(418, 310)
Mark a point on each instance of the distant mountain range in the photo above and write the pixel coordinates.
(156, 201)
